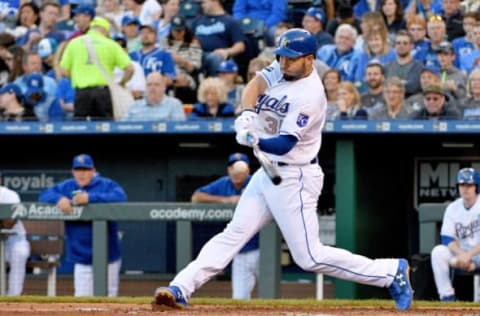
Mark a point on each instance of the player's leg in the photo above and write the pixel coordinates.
(244, 274)
(114, 277)
(249, 217)
(441, 256)
(83, 279)
(17, 251)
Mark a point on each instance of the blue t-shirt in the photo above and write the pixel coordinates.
(158, 60)
(219, 31)
(225, 187)
(200, 110)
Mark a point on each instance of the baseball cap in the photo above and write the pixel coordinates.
(433, 88)
(431, 69)
(178, 23)
(237, 157)
(85, 9)
(12, 88)
(46, 47)
(34, 83)
(127, 19)
(148, 26)
(445, 47)
(101, 22)
(228, 66)
(83, 161)
(318, 14)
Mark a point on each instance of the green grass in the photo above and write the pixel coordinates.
(226, 301)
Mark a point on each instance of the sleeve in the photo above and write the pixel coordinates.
(168, 66)
(213, 188)
(271, 74)
(111, 192)
(53, 194)
(235, 31)
(278, 13)
(448, 223)
(55, 112)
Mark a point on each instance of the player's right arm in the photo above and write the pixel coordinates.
(257, 86)
(202, 197)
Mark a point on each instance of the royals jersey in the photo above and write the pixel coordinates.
(295, 108)
(461, 224)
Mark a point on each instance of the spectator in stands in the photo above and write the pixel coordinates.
(313, 21)
(28, 18)
(156, 106)
(452, 79)
(436, 31)
(46, 50)
(152, 58)
(220, 35)
(92, 96)
(146, 11)
(82, 15)
(12, 105)
(331, 81)
(49, 14)
(267, 52)
(371, 21)
(453, 19)
(428, 76)
(46, 106)
(14, 59)
(170, 9)
(394, 95)
(228, 72)
(131, 28)
(470, 106)
(392, 11)
(113, 12)
(212, 100)
(84, 188)
(186, 53)
(372, 99)
(227, 189)
(344, 16)
(32, 63)
(417, 27)
(271, 12)
(436, 107)
(463, 46)
(364, 6)
(404, 65)
(17, 247)
(424, 8)
(471, 61)
(348, 103)
(339, 56)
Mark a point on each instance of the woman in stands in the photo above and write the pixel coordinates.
(348, 103)
(331, 81)
(212, 100)
(393, 15)
(417, 27)
(28, 18)
(170, 9)
(471, 104)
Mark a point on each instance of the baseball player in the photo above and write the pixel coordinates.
(285, 113)
(17, 248)
(459, 234)
(227, 189)
(84, 188)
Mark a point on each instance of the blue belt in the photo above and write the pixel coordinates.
(284, 164)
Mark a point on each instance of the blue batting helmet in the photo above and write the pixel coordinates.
(468, 176)
(296, 43)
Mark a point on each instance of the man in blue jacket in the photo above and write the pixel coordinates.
(84, 188)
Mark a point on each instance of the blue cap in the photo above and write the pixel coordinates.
(318, 14)
(83, 161)
(237, 157)
(126, 20)
(431, 69)
(12, 88)
(35, 93)
(85, 9)
(228, 66)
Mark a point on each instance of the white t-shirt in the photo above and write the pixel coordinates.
(8, 196)
(461, 224)
(295, 108)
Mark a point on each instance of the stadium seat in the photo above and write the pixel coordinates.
(190, 9)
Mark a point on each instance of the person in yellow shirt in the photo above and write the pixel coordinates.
(92, 97)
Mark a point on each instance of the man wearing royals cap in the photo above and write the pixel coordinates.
(87, 187)
(314, 21)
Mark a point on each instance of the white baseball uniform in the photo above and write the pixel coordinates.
(17, 248)
(295, 108)
(464, 226)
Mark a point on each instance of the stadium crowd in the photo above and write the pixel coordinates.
(378, 59)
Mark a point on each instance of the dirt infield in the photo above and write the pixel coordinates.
(111, 309)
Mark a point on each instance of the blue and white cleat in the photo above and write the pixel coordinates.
(448, 298)
(170, 296)
(400, 289)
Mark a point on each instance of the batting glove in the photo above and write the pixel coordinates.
(245, 120)
(246, 138)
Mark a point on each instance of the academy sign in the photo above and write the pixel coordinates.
(42, 211)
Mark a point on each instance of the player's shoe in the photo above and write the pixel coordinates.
(400, 289)
(170, 296)
(448, 298)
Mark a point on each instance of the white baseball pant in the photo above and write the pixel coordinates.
(245, 271)
(17, 251)
(83, 278)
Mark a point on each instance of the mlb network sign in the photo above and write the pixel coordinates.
(435, 179)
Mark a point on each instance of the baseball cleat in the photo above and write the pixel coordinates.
(448, 298)
(400, 289)
(170, 296)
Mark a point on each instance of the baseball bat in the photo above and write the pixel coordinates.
(267, 166)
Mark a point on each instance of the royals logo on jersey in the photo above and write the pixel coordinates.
(302, 120)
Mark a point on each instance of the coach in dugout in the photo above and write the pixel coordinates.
(92, 96)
